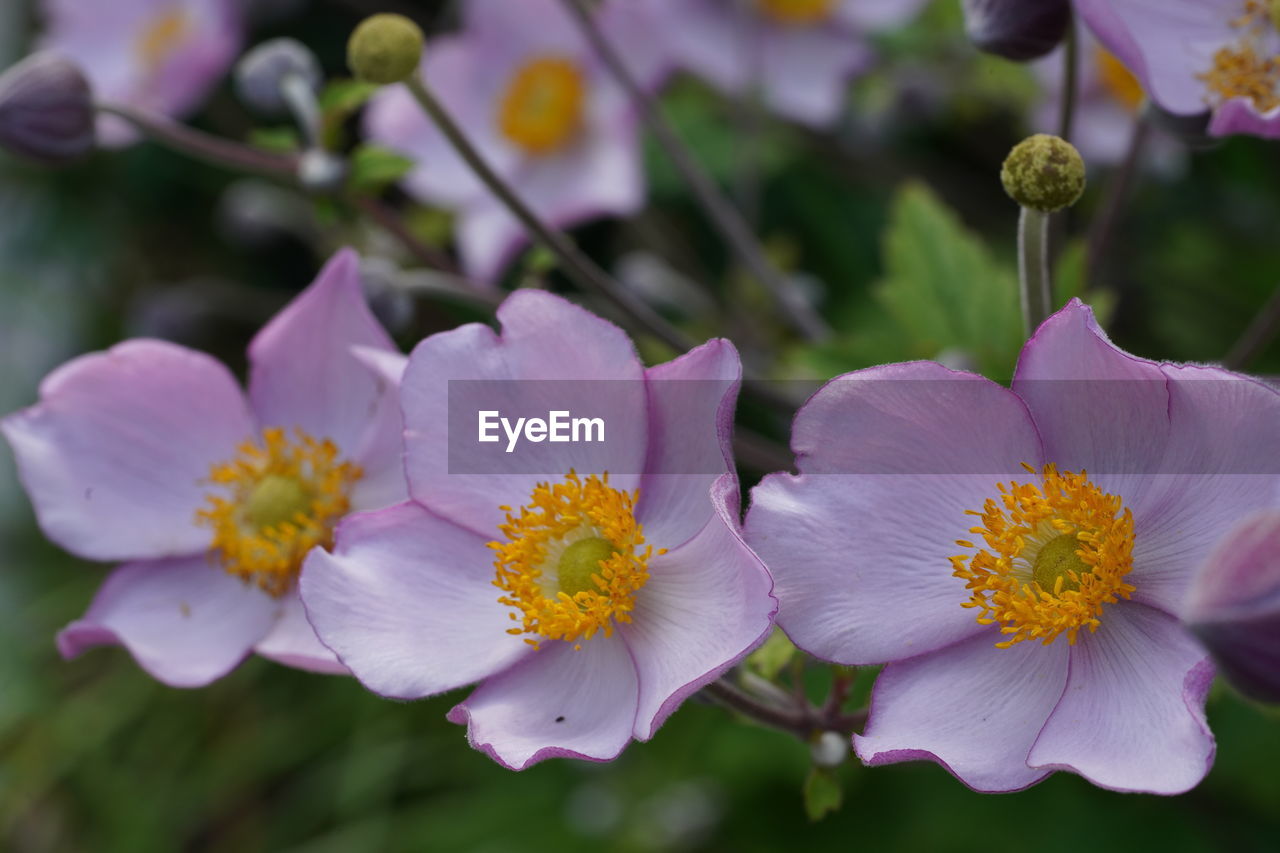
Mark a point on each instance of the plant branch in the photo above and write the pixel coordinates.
(1033, 268)
(723, 215)
(584, 271)
(1070, 79)
(1264, 329)
(204, 146)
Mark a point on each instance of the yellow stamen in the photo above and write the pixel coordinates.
(796, 12)
(1118, 80)
(572, 560)
(543, 105)
(1248, 69)
(1058, 553)
(285, 496)
(162, 37)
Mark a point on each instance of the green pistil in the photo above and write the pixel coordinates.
(580, 561)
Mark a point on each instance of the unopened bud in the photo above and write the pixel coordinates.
(385, 49)
(1234, 606)
(1044, 173)
(829, 749)
(260, 76)
(1020, 30)
(320, 171)
(46, 110)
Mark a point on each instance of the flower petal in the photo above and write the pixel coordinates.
(806, 71)
(705, 606)
(303, 373)
(1239, 115)
(1222, 465)
(543, 338)
(293, 642)
(117, 453)
(1097, 407)
(691, 403)
(561, 702)
(891, 459)
(381, 456)
(407, 602)
(1132, 717)
(185, 622)
(973, 708)
(871, 15)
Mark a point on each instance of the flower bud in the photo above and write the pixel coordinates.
(1044, 173)
(1020, 30)
(385, 49)
(261, 74)
(46, 110)
(1234, 606)
(829, 749)
(320, 171)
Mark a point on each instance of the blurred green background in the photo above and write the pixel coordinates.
(898, 214)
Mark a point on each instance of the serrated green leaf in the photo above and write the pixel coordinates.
(822, 793)
(374, 168)
(773, 656)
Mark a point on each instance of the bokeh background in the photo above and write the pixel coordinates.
(898, 223)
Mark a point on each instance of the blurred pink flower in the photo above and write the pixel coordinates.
(532, 96)
(1125, 473)
(799, 54)
(1234, 606)
(1196, 56)
(159, 55)
(587, 605)
(150, 454)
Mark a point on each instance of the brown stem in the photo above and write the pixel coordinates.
(391, 223)
(204, 146)
(1258, 336)
(726, 218)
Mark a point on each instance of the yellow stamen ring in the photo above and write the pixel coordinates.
(285, 496)
(1248, 69)
(1055, 554)
(542, 108)
(572, 560)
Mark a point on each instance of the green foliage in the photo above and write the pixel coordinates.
(822, 793)
(771, 658)
(374, 168)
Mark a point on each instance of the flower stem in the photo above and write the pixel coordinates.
(1261, 332)
(1033, 268)
(800, 718)
(1070, 80)
(203, 146)
(1117, 192)
(577, 264)
(723, 215)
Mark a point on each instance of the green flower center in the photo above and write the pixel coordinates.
(580, 561)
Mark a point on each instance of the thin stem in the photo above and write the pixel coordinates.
(203, 146)
(391, 223)
(1264, 329)
(1033, 268)
(297, 93)
(790, 720)
(723, 215)
(581, 268)
(1117, 193)
(1070, 80)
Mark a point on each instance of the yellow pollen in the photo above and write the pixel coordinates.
(572, 560)
(1055, 554)
(543, 105)
(1118, 80)
(1248, 69)
(162, 37)
(282, 497)
(796, 12)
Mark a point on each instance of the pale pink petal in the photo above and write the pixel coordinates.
(1239, 115)
(293, 642)
(186, 621)
(551, 355)
(973, 708)
(1132, 717)
(382, 452)
(407, 602)
(303, 373)
(117, 454)
(691, 404)
(806, 70)
(705, 606)
(561, 702)
(890, 461)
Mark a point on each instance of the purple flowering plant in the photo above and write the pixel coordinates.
(674, 373)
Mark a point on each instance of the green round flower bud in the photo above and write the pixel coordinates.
(1044, 173)
(385, 49)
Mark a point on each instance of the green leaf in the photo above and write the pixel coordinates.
(822, 793)
(278, 140)
(771, 658)
(345, 96)
(374, 168)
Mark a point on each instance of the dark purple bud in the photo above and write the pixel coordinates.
(46, 110)
(1234, 606)
(1020, 30)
